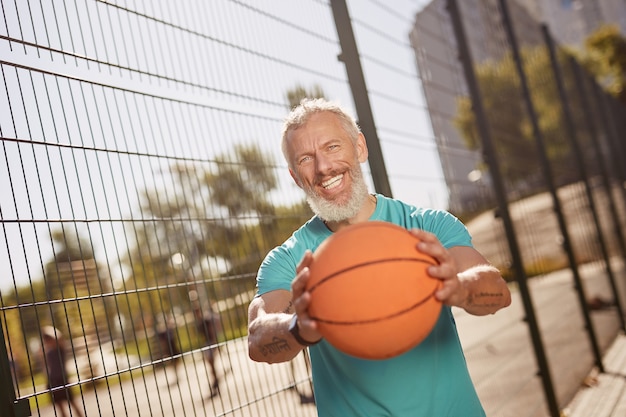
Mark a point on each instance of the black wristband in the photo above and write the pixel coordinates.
(295, 332)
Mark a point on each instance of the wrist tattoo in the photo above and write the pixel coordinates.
(275, 347)
(289, 308)
(478, 299)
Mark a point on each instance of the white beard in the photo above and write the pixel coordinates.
(333, 212)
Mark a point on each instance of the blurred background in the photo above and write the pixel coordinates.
(143, 183)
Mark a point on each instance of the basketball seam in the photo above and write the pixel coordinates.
(368, 321)
(341, 271)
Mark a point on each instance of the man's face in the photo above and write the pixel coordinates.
(326, 165)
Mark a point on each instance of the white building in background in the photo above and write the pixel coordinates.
(434, 42)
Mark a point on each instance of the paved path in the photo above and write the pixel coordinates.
(605, 395)
(498, 351)
(501, 357)
(247, 389)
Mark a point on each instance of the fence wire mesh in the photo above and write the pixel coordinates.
(142, 184)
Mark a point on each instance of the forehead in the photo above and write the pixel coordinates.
(319, 127)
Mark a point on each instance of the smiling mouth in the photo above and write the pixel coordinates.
(333, 182)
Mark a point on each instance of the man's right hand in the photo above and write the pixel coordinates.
(302, 298)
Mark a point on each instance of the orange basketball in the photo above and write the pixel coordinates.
(370, 292)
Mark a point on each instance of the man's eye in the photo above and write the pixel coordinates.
(304, 159)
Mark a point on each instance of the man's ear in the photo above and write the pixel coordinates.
(295, 178)
(361, 148)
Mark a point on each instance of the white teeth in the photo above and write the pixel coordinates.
(332, 182)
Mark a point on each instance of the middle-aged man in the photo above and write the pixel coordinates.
(324, 148)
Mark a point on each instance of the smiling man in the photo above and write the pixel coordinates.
(324, 149)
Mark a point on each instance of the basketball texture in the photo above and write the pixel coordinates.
(370, 292)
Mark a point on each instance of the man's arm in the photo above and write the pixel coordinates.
(469, 281)
(484, 291)
(270, 314)
(268, 321)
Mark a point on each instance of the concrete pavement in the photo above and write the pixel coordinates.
(498, 351)
(603, 395)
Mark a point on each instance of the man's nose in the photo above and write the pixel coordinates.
(323, 164)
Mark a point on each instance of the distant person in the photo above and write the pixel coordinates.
(168, 346)
(208, 326)
(54, 352)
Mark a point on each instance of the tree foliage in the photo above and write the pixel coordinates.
(206, 229)
(509, 122)
(604, 56)
(69, 294)
(296, 94)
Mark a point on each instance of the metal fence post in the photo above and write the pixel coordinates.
(350, 57)
(613, 144)
(580, 161)
(500, 191)
(607, 113)
(615, 147)
(580, 81)
(8, 402)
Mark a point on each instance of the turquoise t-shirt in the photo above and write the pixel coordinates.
(430, 380)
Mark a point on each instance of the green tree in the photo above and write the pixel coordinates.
(21, 324)
(296, 94)
(205, 214)
(604, 55)
(69, 293)
(511, 128)
(74, 278)
(202, 215)
(69, 246)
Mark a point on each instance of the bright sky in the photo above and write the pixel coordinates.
(29, 174)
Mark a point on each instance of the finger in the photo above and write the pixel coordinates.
(307, 325)
(451, 293)
(306, 260)
(444, 291)
(429, 244)
(301, 306)
(298, 285)
(423, 235)
(445, 270)
(302, 298)
(302, 270)
(434, 249)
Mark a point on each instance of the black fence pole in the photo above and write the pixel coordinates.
(580, 162)
(607, 113)
(10, 406)
(614, 145)
(580, 81)
(351, 59)
(616, 111)
(501, 196)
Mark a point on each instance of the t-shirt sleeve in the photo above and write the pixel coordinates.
(277, 271)
(448, 229)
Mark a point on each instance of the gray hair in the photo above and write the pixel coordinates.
(301, 114)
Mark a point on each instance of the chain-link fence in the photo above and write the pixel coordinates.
(142, 184)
